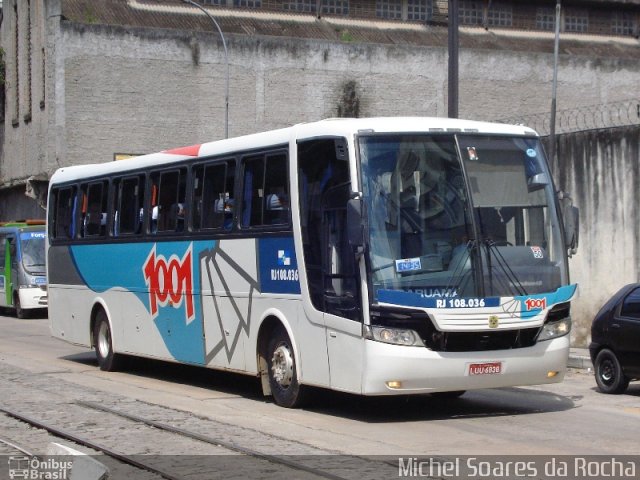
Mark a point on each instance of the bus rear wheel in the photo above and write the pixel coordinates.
(108, 360)
(283, 379)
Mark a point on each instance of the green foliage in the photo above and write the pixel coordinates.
(90, 16)
(346, 36)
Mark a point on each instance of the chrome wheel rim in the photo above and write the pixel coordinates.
(282, 366)
(104, 340)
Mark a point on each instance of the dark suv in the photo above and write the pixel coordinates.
(615, 340)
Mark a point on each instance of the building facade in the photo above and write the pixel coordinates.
(88, 81)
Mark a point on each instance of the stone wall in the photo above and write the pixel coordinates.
(601, 171)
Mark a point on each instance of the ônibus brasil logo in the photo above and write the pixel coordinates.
(170, 282)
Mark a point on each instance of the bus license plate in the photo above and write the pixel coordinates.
(491, 368)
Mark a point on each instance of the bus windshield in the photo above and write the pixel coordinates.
(33, 251)
(460, 215)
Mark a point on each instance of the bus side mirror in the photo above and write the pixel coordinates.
(355, 227)
(571, 217)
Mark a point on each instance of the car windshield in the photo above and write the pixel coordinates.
(32, 248)
(441, 224)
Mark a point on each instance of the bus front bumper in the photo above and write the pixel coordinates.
(393, 369)
(33, 298)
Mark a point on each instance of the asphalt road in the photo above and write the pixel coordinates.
(570, 418)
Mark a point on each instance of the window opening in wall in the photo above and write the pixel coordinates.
(389, 9)
(470, 12)
(546, 19)
(16, 119)
(623, 23)
(335, 7)
(576, 20)
(44, 81)
(247, 3)
(307, 6)
(214, 2)
(28, 114)
(421, 10)
(500, 15)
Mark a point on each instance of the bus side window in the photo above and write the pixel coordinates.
(128, 200)
(95, 210)
(265, 199)
(168, 201)
(64, 216)
(216, 210)
(276, 186)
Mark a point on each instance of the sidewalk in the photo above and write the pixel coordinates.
(579, 358)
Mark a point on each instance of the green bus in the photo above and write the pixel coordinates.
(23, 281)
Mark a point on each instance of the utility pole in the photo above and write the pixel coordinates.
(453, 60)
(226, 59)
(552, 125)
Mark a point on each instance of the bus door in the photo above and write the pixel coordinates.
(7, 261)
(330, 264)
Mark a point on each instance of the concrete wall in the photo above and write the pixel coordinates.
(601, 170)
(145, 90)
(118, 90)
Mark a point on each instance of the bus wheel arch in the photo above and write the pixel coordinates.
(20, 312)
(277, 364)
(102, 340)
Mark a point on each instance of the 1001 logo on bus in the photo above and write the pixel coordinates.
(170, 282)
(535, 303)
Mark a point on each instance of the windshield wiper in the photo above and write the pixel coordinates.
(512, 280)
(459, 269)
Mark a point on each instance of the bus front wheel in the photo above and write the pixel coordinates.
(108, 360)
(20, 312)
(283, 378)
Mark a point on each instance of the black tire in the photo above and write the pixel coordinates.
(449, 395)
(609, 375)
(283, 378)
(108, 360)
(20, 312)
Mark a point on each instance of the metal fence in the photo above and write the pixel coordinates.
(615, 114)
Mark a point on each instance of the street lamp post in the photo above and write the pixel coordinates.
(226, 59)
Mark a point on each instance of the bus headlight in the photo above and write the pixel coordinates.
(555, 329)
(395, 336)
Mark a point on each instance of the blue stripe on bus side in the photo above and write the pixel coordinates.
(177, 313)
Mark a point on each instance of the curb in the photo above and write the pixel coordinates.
(579, 359)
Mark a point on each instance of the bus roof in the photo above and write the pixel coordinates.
(344, 127)
(23, 223)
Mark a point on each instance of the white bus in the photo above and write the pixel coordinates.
(375, 256)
